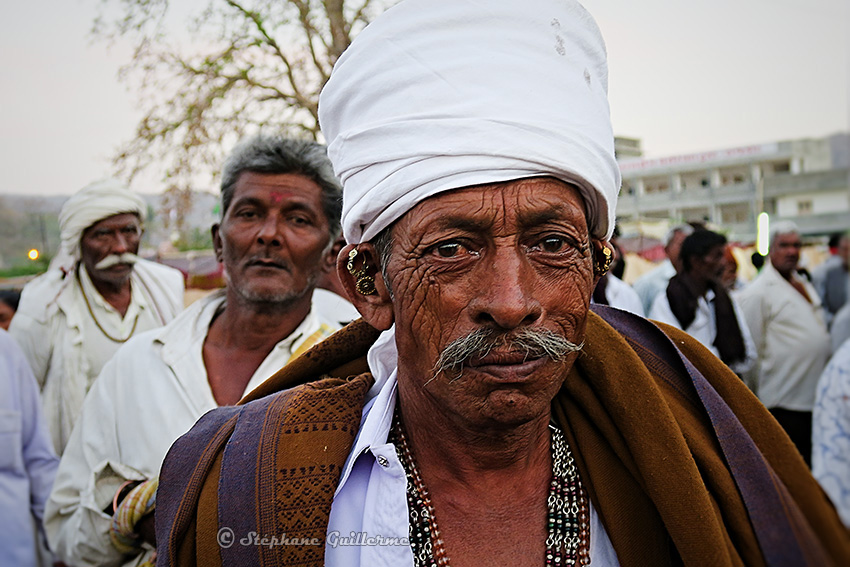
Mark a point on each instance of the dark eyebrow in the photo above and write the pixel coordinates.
(291, 205)
(299, 206)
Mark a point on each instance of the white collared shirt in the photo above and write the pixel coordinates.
(791, 339)
(371, 498)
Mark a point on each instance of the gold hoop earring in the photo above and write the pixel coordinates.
(364, 283)
(601, 267)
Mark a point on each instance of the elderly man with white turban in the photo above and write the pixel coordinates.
(481, 413)
(95, 296)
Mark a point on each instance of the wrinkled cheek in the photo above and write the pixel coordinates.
(569, 297)
(422, 317)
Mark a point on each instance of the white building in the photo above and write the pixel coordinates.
(807, 181)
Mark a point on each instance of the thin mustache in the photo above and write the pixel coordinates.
(115, 259)
(534, 343)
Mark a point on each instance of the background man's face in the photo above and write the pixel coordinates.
(785, 252)
(115, 235)
(506, 257)
(709, 267)
(273, 237)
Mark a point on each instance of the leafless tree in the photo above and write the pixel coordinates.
(241, 66)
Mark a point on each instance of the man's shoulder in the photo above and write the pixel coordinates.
(189, 322)
(139, 345)
(155, 269)
(758, 286)
(836, 271)
(41, 296)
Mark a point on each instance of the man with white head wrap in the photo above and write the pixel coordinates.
(457, 424)
(95, 296)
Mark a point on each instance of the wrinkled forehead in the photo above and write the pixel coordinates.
(517, 204)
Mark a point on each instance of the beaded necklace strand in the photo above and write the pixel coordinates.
(568, 523)
(97, 323)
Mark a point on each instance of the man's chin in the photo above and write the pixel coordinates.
(510, 409)
(116, 275)
(272, 297)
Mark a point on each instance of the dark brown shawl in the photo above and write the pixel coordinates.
(647, 450)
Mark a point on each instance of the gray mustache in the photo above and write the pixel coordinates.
(115, 259)
(533, 343)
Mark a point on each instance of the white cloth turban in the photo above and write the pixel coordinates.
(93, 203)
(441, 94)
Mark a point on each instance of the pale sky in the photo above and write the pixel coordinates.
(685, 76)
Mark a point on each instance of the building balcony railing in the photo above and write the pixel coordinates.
(775, 186)
(787, 184)
(824, 223)
(687, 199)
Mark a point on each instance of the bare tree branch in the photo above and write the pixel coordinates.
(247, 66)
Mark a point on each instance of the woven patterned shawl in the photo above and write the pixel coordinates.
(672, 483)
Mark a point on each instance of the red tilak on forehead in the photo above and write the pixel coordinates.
(276, 197)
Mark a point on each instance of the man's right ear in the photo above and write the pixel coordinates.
(216, 240)
(360, 273)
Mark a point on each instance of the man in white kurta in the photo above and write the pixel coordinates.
(785, 318)
(65, 326)
(280, 215)
(150, 393)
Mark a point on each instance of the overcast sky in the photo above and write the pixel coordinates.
(685, 76)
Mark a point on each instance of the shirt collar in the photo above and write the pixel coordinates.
(380, 403)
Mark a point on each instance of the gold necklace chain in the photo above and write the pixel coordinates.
(96, 322)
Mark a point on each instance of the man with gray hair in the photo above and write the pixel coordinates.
(280, 207)
(95, 296)
(654, 282)
(785, 317)
(481, 413)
